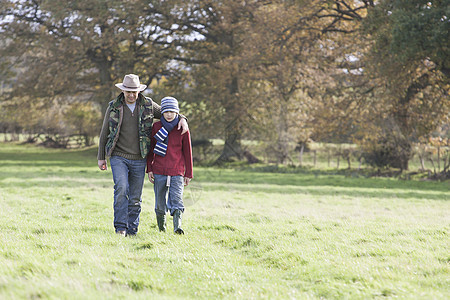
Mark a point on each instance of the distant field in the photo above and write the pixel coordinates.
(319, 156)
(250, 234)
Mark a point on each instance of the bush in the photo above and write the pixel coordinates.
(388, 151)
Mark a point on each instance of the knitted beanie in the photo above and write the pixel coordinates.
(169, 104)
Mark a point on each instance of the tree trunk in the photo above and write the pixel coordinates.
(282, 148)
(439, 158)
(302, 148)
(106, 93)
(282, 145)
(105, 97)
(232, 147)
(328, 157)
(233, 134)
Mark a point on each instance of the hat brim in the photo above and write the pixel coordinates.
(136, 89)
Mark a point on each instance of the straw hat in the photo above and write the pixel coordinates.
(131, 83)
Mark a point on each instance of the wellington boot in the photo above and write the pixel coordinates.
(177, 215)
(161, 220)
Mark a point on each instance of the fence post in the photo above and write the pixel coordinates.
(315, 157)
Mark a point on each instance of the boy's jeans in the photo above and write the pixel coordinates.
(128, 178)
(175, 197)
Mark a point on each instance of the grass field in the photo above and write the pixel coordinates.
(250, 234)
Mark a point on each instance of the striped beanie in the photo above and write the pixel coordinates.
(169, 104)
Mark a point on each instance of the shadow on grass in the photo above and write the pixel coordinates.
(62, 165)
(333, 191)
(314, 178)
(35, 156)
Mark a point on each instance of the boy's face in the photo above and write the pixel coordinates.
(169, 115)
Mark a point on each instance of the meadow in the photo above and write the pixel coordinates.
(250, 234)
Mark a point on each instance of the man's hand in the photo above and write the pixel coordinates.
(186, 180)
(183, 124)
(102, 165)
(151, 177)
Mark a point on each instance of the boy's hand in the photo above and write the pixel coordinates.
(186, 180)
(151, 177)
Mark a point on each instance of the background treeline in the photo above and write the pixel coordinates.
(278, 73)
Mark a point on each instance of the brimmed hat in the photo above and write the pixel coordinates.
(131, 83)
(169, 104)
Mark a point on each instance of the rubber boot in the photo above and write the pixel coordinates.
(161, 220)
(177, 215)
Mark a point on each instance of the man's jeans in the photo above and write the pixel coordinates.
(128, 178)
(175, 194)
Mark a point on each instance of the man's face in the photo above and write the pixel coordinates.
(130, 97)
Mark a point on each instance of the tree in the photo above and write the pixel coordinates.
(278, 75)
(302, 45)
(413, 30)
(258, 51)
(380, 94)
(409, 59)
(79, 49)
(212, 36)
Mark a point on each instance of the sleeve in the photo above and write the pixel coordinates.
(103, 136)
(151, 155)
(156, 110)
(187, 152)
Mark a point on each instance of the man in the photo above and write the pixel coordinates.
(125, 139)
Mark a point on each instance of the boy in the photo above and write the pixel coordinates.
(169, 165)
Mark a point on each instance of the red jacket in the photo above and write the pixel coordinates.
(178, 159)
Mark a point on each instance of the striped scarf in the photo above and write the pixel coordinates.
(162, 136)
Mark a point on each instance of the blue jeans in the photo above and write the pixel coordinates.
(128, 178)
(173, 194)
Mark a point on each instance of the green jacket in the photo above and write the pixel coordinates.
(146, 115)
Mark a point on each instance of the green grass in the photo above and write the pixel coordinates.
(250, 234)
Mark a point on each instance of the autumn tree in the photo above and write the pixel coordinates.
(212, 37)
(300, 49)
(383, 91)
(278, 76)
(259, 57)
(79, 49)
